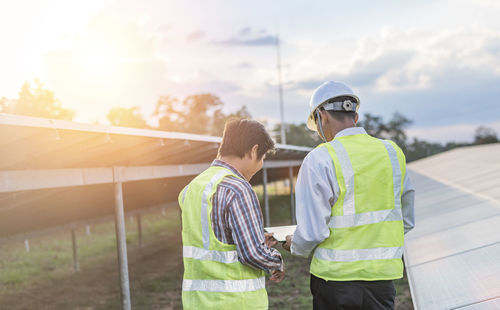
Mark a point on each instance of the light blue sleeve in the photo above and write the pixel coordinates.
(408, 204)
(314, 195)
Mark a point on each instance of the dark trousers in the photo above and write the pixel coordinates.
(350, 295)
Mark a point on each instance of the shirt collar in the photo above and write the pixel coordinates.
(220, 163)
(351, 131)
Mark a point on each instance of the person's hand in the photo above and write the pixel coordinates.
(277, 276)
(270, 241)
(288, 243)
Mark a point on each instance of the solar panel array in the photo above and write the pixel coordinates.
(453, 254)
(36, 153)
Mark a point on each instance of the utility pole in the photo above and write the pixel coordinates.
(282, 109)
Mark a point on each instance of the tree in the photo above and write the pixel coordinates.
(5, 105)
(36, 101)
(194, 114)
(297, 135)
(219, 119)
(127, 117)
(393, 130)
(373, 125)
(201, 114)
(396, 129)
(485, 135)
(166, 111)
(420, 149)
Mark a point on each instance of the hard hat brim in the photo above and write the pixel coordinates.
(311, 124)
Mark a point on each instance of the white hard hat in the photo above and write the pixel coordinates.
(323, 95)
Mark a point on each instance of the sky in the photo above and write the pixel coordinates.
(436, 62)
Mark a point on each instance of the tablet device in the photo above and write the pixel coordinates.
(280, 232)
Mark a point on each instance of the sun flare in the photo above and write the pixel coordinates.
(98, 60)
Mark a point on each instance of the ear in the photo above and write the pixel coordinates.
(356, 118)
(325, 116)
(254, 152)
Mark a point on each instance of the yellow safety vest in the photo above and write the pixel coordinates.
(366, 224)
(213, 276)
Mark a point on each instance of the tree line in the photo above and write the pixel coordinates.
(204, 114)
(393, 129)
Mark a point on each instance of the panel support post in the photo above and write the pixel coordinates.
(139, 230)
(292, 197)
(27, 245)
(121, 243)
(266, 198)
(76, 264)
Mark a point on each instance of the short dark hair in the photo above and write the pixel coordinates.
(342, 115)
(240, 135)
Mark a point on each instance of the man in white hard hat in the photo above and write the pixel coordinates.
(354, 204)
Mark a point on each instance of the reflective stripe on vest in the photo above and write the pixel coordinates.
(228, 286)
(184, 193)
(204, 206)
(358, 255)
(226, 257)
(396, 173)
(348, 172)
(365, 218)
(349, 219)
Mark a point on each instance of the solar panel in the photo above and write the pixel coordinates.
(453, 254)
(56, 172)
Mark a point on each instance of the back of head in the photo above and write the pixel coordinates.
(341, 115)
(332, 96)
(240, 135)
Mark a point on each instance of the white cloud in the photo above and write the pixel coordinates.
(397, 60)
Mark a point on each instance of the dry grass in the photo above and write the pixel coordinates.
(44, 279)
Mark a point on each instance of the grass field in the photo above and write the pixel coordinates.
(44, 277)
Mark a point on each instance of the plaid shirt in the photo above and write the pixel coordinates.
(237, 219)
